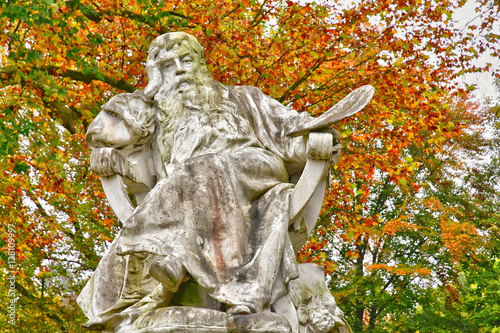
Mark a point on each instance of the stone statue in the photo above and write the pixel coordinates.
(211, 245)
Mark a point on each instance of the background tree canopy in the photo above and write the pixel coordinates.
(409, 232)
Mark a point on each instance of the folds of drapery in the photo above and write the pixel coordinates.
(224, 215)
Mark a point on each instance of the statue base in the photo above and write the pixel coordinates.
(186, 319)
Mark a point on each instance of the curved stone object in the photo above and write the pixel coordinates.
(350, 105)
(117, 196)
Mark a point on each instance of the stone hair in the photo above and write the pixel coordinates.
(168, 40)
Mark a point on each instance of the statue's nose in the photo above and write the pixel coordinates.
(179, 68)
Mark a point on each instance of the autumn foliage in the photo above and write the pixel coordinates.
(412, 209)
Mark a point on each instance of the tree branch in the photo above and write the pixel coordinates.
(88, 77)
(302, 79)
(9, 73)
(99, 14)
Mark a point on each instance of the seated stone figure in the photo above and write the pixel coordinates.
(209, 246)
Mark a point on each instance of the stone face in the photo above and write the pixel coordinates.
(210, 246)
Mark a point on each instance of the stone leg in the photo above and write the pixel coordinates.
(117, 283)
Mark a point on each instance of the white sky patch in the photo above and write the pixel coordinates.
(484, 81)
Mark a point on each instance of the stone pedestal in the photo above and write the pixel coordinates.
(185, 319)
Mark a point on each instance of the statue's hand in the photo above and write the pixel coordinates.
(337, 147)
(101, 162)
(336, 153)
(324, 145)
(336, 150)
(154, 73)
(136, 168)
(108, 161)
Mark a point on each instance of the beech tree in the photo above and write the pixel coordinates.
(406, 211)
(466, 299)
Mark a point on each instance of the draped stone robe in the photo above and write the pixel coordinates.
(220, 206)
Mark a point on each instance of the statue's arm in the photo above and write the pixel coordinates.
(272, 122)
(120, 138)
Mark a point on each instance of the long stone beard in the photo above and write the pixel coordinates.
(200, 94)
(189, 92)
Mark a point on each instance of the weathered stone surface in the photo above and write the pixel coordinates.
(317, 310)
(185, 319)
(224, 198)
(350, 105)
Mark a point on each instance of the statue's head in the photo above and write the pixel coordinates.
(172, 58)
(179, 78)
